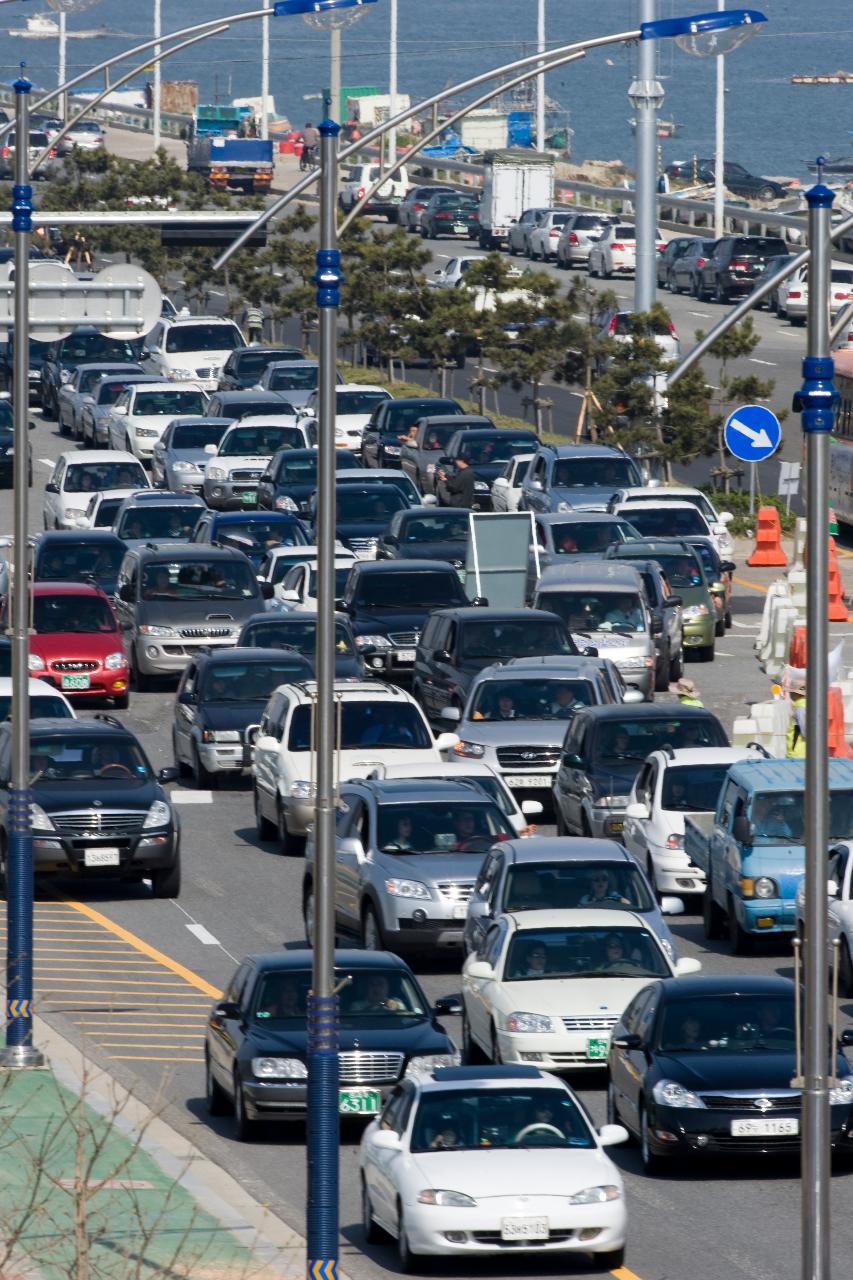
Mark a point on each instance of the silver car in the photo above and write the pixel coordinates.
(578, 236)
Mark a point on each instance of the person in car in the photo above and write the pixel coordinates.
(160, 586)
(624, 613)
(601, 890)
(447, 1138)
(616, 957)
(567, 545)
(535, 961)
(403, 839)
(506, 708)
(464, 829)
(283, 1002)
(564, 704)
(108, 760)
(774, 820)
(377, 997)
(620, 746)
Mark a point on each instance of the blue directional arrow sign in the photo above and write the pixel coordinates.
(752, 433)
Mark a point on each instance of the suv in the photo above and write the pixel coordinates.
(420, 453)
(245, 367)
(716, 520)
(577, 236)
(241, 458)
(85, 345)
(144, 410)
(99, 809)
(732, 268)
(377, 724)
(354, 403)
(252, 532)
(149, 515)
(360, 177)
(380, 442)
(407, 854)
(248, 402)
(172, 600)
(289, 480)
(582, 477)
(79, 555)
(187, 348)
(667, 622)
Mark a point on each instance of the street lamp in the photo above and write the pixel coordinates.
(63, 7)
(540, 79)
(333, 19)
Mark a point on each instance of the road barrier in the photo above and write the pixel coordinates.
(768, 541)
(837, 607)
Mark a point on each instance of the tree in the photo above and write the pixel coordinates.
(739, 342)
(586, 351)
(384, 294)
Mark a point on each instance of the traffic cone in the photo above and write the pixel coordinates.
(835, 739)
(797, 650)
(837, 607)
(768, 540)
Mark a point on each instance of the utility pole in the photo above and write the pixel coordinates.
(540, 79)
(157, 95)
(265, 78)
(719, 140)
(646, 95)
(392, 86)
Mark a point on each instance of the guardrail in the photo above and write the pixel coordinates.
(138, 119)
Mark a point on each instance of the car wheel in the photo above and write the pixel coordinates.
(496, 1049)
(845, 969)
(373, 1234)
(371, 930)
(405, 1257)
(48, 407)
(218, 1102)
(511, 250)
(712, 916)
(184, 770)
(766, 193)
(424, 233)
(652, 1163)
(246, 1128)
(471, 1051)
(610, 1260)
(291, 845)
(140, 679)
(720, 628)
(203, 779)
(721, 295)
(728, 618)
(266, 829)
(121, 701)
(650, 872)
(662, 678)
(705, 654)
(613, 1116)
(166, 882)
(741, 942)
(560, 822)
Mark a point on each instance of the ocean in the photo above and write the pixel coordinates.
(772, 126)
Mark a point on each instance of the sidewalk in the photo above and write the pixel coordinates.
(94, 1184)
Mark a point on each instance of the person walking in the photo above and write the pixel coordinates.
(687, 693)
(253, 321)
(795, 738)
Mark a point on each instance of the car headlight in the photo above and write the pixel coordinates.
(595, 1195)
(535, 1022)
(375, 642)
(286, 503)
(668, 1093)
(446, 1199)
(841, 1095)
(695, 611)
(40, 820)
(480, 486)
(181, 375)
(146, 629)
(217, 473)
(158, 815)
(113, 661)
(473, 750)
(760, 887)
(220, 735)
(302, 789)
(675, 842)
(429, 1062)
(392, 450)
(398, 888)
(35, 663)
(64, 375)
(147, 433)
(279, 1069)
(71, 513)
(182, 464)
(612, 802)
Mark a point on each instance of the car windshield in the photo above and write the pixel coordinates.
(367, 997)
(534, 886)
(267, 408)
(89, 348)
(293, 633)
(759, 246)
(734, 1022)
(299, 470)
(682, 570)
(41, 707)
(442, 527)
(248, 681)
(624, 232)
(578, 537)
(585, 611)
(92, 477)
(668, 522)
(373, 505)
(77, 758)
(526, 638)
(151, 521)
(358, 401)
(377, 724)
(471, 1119)
(60, 562)
(780, 815)
(61, 614)
(441, 827)
(257, 534)
(252, 363)
(693, 788)
(298, 378)
(418, 591)
(203, 337)
(199, 580)
(260, 442)
(632, 740)
(531, 699)
(400, 416)
(193, 436)
(629, 952)
(482, 452)
(594, 473)
(437, 437)
(167, 403)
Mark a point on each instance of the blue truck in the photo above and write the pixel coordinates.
(222, 157)
(752, 849)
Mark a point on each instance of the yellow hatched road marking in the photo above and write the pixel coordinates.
(143, 1057)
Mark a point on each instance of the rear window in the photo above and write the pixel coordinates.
(167, 403)
(299, 634)
(195, 437)
(400, 416)
(255, 362)
(299, 379)
(260, 442)
(760, 246)
(203, 337)
(668, 522)
(624, 233)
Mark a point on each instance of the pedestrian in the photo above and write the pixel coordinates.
(687, 693)
(310, 139)
(253, 321)
(795, 738)
(459, 488)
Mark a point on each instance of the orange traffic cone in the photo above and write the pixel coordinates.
(768, 540)
(797, 651)
(835, 739)
(837, 607)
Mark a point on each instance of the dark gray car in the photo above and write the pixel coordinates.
(420, 453)
(76, 392)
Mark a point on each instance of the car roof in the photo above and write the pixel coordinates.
(694, 986)
(586, 572)
(492, 433)
(585, 451)
(561, 666)
(471, 613)
(421, 513)
(240, 517)
(156, 497)
(453, 419)
(162, 385)
(246, 396)
(373, 567)
(575, 917)
(250, 653)
(645, 711)
(78, 536)
(188, 319)
(646, 547)
(654, 504)
(577, 517)
(785, 775)
(703, 755)
(102, 455)
(355, 687)
(559, 849)
(345, 957)
(173, 551)
(421, 790)
(104, 728)
(445, 1079)
(197, 420)
(112, 369)
(427, 400)
(302, 362)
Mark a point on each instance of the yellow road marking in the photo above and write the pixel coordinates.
(753, 586)
(143, 1057)
(124, 1044)
(622, 1273)
(142, 1004)
(124, 984)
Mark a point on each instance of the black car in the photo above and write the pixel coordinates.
(388, 602)
(426, 533)
(298, 631)
(244, 368)
(732, 268)
(705, 1067)
(92, 555)
(684, 270)
(7, 448)
(5, 656)
(37, 349)
(381, 444)
(676, 248)
(219, 704)
(103, 809)
(737, 179)
(425, 444)
(487, 452)
(252, 532)
(456, 644)
(85, 345)
(235, 405)
(256, 1039)
(363, 514)
(290, 478)
(451, 214)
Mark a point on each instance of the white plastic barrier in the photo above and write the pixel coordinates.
(846, 687)
(745, 730)
(769, 722)
(799, 552)
(797, 586)
(776, 591)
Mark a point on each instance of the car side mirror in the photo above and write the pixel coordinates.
(531, 808)
(657, 626)
(447, 1006)
(632, 696)
(536, 484)
(637, 810)
(186, 697)
(386, 1140)
(671, 906)
(610, 1135)
(352, 846)
(480, 969)
(832, 888)
(169, 774)
(125, 593)
(481, 602)
(32, 426)
(672, 602)
(847, 1037)
(446, 741)
(227, 1009)
(727, 566)
(742, 830)
(429, 500)
(120, 409)
(210, 448)
(629, 1041)
(452, 714)
(590, 651)
(50, 487)
(687, 965)
(441, 655)
(725, 517)
(267, 590)
(478, 909)
(571, 761)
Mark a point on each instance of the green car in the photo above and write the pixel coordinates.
(683, 569)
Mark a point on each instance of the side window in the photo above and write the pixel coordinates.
(574, 743)
(237, 985)
(395, 1114)
(646, 1018)
(487, 875)
(428, 634)
(5, 760)
(364, 826)
(645, 784)
(352, 826)
(633, 1013)
(540, 535)
(189, 679)
(728, 805)
(739, 810)
(58, 473)
(450, 638)
(198, 533)
(538, 472)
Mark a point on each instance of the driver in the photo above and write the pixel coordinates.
(625, 613)
(447, 1137)
(464, 828)
(600, 890)
(615, 954)
(108, 758)
(377, 997)
(535, 961)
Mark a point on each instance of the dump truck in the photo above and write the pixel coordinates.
(246, 163)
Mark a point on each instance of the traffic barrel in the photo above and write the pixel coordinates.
(837, 608)
(797, 651)
(835, 739)
(768, 540)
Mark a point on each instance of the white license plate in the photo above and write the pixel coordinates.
(102, 858)
(405, 655)
(460, 910)
(528, 779)
(765, 1128)
(460, 228)
(524, 1229)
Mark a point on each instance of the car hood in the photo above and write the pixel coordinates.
(417, 1037)
(575, 996)
(57, 797)
(361, 761)
(183, 359)
(351, 421)
(701, 1072)
(73, 645)
(228, 715)
(594, 498)
(499, 733)
(488, 471)
(518, 1171)
(432, 551)
(432, 866)
(361, 528)
(198, 456)
(383, 620)
(614, 779)
(191, 613)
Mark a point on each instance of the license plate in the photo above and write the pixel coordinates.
(597, 1049)
(460, 228)
(615, 827)
(101, 858)
(75, 682)
(765, 1128)
(359, 1102)
(528, 779)
(524, 1229)
(460, 910)
(405, 655)
(249, 495)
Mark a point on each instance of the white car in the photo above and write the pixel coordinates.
(379, 724)
(792, 294)
(480, 774)
(671, 785)
(359, 178)
(506, 488)
(543, 237)
(476, 1160)
(615, 251)
(669, 518)
(716, 520)
(839, 914)
(103, 508)
(278, 562)
(78, 475)
(299, 588)
(548, 986)
(144, 410)
(185, 348)
(354, 403)
(44, 700)
(452, 274)
(242, 456)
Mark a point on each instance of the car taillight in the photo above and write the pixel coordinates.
(737, 265)
(417, 206)
(611, 328)
(554, 233)
(841, 297)
(617, 245)
(573, 238)
(52, 153)
(360, 193)
(794, 293)
(5, 152)
(700, 262)
(661, 245)
(443, 215)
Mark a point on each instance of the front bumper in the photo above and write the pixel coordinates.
(62, 855)
(558, 1050)
(183, 481)
(434, 1229)
(391, 663)
(766, 915)
(699, 632)
(675, 873)
(102, 683)
(420, 931)
(708, 1131)
(277, 1100)
(606, 823)
(637, 677)
(225, 495)
(225, 757)
(166, 655)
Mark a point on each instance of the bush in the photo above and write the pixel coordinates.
(737, 502)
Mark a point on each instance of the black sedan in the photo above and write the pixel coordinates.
(426, 533)
(703, 1066)
(296, 631)
(290, 478)
(256, 1039)
(451, 214)
(363, 514)
(7, 448)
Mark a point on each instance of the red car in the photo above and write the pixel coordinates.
(77, 646)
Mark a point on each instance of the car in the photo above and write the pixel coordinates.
(76, 392)
(578, 234)
(256, 1039)
(235, 466)
(621, 326)
(455, 214)
(667, 519)
(140, 415)
(245, 366)
(37, 350)
(413, 204)
(248, 403)
(293, 380)
(426, 533)
(487, 451)
(452, 274)
(669, 785)
(99, 809)
(792, 294)
(576, 477)
(76, 476)
(37, 142)
(149, 515)
(675, 248)
(615, 250)
(298, 592)
(732, 268)
(180, 455)
(299, 631)
(407, 853)
(289, 480)
(378, 475)
(684, 570)
(702, 1066)
(218, 706)
(388, 602)
(518, 235)
(683, 270)
(43, 701)
(459, 642)
(719, 574)
(479, 1130)
(359, 178)
(392, 419)
(772, 267)
(378, 724)
(716, 520)
(741, 182)
(84, 345)
(839, 914)
(563, 537)
(604, 751)
(7, 447)
(363, 512)
(425, 441)
(483, 775)
(95, 408)
(277, 562)
(102, 509)
(252, 532)
(354, 403)
(172, 600)
(185, 348)
(85, 135)
(544, 235)
(667, 621)
(79, 555)
(506, 488)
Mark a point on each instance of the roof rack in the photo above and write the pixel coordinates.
(107, 719)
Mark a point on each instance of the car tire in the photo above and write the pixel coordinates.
(245, 1128)
(662, 677)
(766, 193)
(559, 821)
(373, 1233)
(613, 1116)
(408, 1261)
(48, 407)
(184, 770)
(798, 321)
(845, 969)
(610, 1260)
(203, 779)
(266, 829)
(371, 930)
(291, 846)
(496, 1058)
(510, 248)
(712, 915)
(652, 876)
(705, 654)
(742, 943)
(424, 233)
(720, 628)
(218, 1102)
(676, 666)
(166, 881)
(121, 701)
(721, 295)
(728, 619)
(652, 1163)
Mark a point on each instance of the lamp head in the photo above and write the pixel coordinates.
(706, 35)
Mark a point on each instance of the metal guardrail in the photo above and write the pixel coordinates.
(137, 119)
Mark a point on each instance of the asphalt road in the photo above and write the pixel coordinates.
(139, 1007)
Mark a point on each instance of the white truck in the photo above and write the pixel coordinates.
(513, 181)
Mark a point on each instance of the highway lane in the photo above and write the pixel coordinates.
(240, 895)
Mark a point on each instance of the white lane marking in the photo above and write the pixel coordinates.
(204, 935)
(718, 653)
(703, 315)
(192, 797)
(47, 462)
(771, 364)
(789, 333)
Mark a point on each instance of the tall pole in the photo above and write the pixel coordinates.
(335, 72)
(540, 79)
(818, 399)
(265, 78)
(646, 94)
(63, 46)
(719, 141)
(323, 1137)
(19, 1051)
(158, 28)
(392, 85)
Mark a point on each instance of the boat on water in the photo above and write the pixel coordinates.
(834, 77)
(41, 26)
(842, 167)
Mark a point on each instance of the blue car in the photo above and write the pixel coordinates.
(252, 532)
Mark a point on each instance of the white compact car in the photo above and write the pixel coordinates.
(488, 1160)
(185, 348)
(615, 251)
(354, 403)
(142, 413)
(78, 475)
(506, 488)
(44, 700)
(549, 986)
(717, 520)
(299, 587)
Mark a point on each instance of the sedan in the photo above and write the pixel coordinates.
(76, 393)
(413, 205)
(426, 533)
(578, 236)
(506, 488)
(676, 248)
(615, 251)
(452, 276)
(77, 645)
(181, 454)
(544, 236)
(684, 270)
(456, 215)
(298, 592)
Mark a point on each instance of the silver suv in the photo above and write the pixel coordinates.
(407, 854)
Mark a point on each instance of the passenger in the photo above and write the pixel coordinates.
(285, 1002)
(625, 612)
(402, 841)
(535, 963)
(465, 829)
